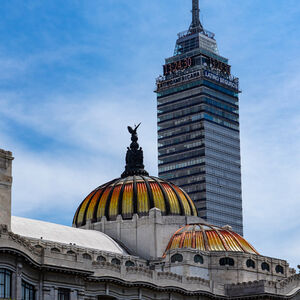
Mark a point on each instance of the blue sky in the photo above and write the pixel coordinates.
(75, 73)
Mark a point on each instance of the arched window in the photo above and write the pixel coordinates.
(226, 261)
(70, 252)
(55, 250)
(86, 256)
(250, 263)
(5, 284)
(28, 291)
(176, 258)
(101, 258)
(129, 263)
(115, 261)
(279, 269)
(265, 266)
(198, 259)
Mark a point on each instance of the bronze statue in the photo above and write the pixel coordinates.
(134, 156)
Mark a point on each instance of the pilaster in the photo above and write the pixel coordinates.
(5, 187)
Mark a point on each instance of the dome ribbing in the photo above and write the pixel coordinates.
(133, 195)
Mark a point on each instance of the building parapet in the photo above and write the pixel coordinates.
(169, 276)
(140, 271)
(289, 286)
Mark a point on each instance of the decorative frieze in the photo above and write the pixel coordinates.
(139, 271)
(169, 276)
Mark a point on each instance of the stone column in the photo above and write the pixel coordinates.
(55, 293)
(47, 293)
(38, 291)
(19, 282)
(73, 295)
(5, 187)
(80, 295)
(14, 286)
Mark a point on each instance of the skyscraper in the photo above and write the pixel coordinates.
(198, 126)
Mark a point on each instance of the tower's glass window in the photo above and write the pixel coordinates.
(5, 284)
(28, 291)
(63, 294)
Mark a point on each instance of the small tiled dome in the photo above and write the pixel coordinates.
(209, 238)
(133, 195)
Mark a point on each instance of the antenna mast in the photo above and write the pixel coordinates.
(196, 24)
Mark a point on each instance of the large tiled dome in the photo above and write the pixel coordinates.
(209, 238)
(133, 195)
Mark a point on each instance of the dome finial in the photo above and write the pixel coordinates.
(134, 156)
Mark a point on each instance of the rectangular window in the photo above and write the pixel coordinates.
(5, 284)
(63, 294)
(28, 291)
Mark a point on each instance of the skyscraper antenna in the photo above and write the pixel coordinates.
(196, 24)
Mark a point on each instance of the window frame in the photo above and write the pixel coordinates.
(198, 259)
(116, 261)
(279, 269)
(176, 258)
(64, 294)
(226, 261)
(250, 263)
(6, 273)
(26, 286)
(265, 266)
(86, 256)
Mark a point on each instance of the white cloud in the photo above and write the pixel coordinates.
(49, 182)
(271, 166)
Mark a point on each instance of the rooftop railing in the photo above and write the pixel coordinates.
(191, 31)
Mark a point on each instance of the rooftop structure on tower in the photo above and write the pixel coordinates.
(196, 36)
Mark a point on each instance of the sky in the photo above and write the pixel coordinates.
(75, 73)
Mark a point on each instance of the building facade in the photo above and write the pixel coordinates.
(136, 237)
(198, 126)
